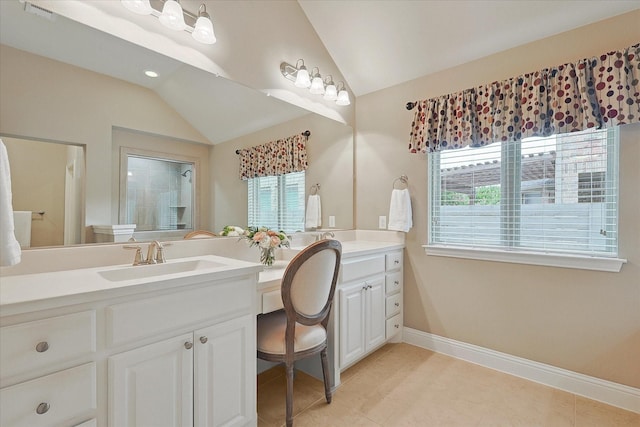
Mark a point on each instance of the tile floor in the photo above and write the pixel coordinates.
(403, 385)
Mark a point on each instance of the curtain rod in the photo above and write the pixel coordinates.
(306, 133)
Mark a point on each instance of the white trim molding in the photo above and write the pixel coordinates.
(608, 392)
(613, 265)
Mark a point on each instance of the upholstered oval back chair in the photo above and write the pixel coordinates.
(300, 330)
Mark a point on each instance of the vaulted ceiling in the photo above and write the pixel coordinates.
(371, 44)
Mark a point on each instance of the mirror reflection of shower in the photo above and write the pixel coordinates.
(184, 174)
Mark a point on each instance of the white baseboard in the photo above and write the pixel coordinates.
(608, 392)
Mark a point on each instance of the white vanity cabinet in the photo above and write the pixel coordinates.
(369, 301)
(199, 378)
(362, 321)
(55, 356)
(175, 352)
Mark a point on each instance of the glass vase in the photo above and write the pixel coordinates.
(267, 256)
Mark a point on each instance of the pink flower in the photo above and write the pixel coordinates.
(259, 236)
(275, 241)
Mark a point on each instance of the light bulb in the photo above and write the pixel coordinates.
(141, 7)
(302, 78)
(203, 31)
(317, 86)
(330, 92)
(343, 98)
(172, 16)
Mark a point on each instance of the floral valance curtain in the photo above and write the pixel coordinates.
(274, 158)
(599, 92)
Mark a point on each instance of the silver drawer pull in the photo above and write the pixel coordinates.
(397, 304)
(188, 345)
(396, 262)
(396, 282)
(41, 347)
(396, 326)
(42, 408)
(203, 339)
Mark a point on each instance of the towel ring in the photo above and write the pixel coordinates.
(314, 189)
(404, 180)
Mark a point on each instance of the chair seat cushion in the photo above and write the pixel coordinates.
(271, 331)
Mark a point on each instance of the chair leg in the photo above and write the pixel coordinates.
(289, 416)
(325, 374)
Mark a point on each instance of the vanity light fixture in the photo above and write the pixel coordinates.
(330, 92)
(317, 86)
(173, 16)
(300, 76)
(343, 96)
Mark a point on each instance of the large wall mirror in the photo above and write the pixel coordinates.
(65, 90)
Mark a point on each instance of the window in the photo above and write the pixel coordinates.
(277, 202)
(555, 195)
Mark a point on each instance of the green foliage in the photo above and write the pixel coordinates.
(451, 198)
(488, 195)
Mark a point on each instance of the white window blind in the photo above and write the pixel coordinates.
(552, 195)
(277, 202)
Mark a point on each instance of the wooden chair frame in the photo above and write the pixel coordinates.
(322, 318)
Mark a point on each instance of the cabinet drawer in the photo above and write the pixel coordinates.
(33, 346)
(394, 325)
(272, 301)
(394, 261)
(356, 268)
(393, 305)
(59, 397)
(147, 317)
(393, 282)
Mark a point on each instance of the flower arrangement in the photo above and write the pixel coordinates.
(232, 230)
(267, 240)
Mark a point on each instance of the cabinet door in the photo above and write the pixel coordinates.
(375, 324)
(352, 334)
(153, 385)
(225, 374)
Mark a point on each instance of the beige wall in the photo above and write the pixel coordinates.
(584, 321)
(49, 100)
(38, 185)
(330, 157)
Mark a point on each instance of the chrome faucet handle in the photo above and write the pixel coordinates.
(160, 259)
(137, 260)
(150, 257)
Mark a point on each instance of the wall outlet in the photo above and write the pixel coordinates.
(332, 221)
(382, 222)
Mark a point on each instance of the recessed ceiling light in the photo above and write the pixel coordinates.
(150, 73)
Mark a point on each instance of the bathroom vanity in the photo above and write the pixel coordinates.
(171, 349)
(102, 343)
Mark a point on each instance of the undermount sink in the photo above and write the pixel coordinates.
(145, 271)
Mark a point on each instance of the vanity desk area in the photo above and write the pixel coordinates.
(97, 345)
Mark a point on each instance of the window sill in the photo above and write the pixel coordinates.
(533, 258)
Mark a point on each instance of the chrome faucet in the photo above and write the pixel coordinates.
(159, 253)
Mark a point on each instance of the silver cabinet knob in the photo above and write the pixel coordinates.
(396, 326)
(396, 282)
(42, 346)
(42, 408)
(397, 304)
(203, 339)
(188, 345)
(396, 262)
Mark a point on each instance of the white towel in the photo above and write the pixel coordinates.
(400, 215)
(22, 228)
(313, 215)
(10, 253)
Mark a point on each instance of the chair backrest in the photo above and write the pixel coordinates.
(309, 283)
(199, 234)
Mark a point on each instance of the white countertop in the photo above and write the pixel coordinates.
(87, 284)
(57, 288)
